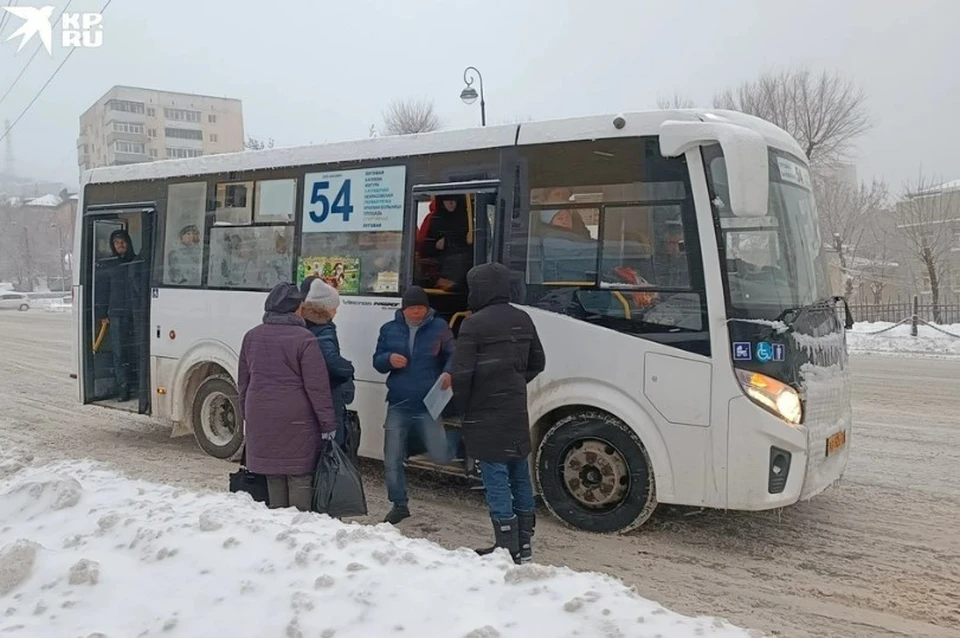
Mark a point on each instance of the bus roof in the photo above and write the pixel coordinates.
(561, 130)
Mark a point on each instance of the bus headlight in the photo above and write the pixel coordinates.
(771, 394)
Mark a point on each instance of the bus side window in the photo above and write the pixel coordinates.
(610, 238)
(251, 240)
(183, 236)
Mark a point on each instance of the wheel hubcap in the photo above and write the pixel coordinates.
(218, 419)
(595, 474)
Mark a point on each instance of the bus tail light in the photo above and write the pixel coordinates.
(775, 396)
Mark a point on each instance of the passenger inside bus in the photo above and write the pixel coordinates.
(123, 279)
(186, 259)
(445, 244)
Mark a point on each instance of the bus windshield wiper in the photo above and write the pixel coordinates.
(832, 302)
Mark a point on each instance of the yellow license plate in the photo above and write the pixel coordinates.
(836, 442)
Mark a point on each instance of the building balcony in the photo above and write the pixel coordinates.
(139, 138)
(110, 116)
(118, 159)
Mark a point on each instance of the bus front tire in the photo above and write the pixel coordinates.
(216, 418)
(595, 475)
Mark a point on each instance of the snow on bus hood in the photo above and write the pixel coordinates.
(86, 552)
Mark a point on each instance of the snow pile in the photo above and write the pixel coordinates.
(928, 342)
(86, 552)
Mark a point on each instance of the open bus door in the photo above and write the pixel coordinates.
(128, 346)
(444, 276)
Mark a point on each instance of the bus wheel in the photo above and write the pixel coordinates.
(216, 418)
(595, 474)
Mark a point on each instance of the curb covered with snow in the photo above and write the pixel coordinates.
(87, 552)
(897, 340)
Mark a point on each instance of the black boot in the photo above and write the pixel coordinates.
(526, 523)
(505, 533)
(396, 514)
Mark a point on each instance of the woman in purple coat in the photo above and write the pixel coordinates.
(285, 400)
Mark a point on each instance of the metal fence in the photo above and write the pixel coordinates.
(899, 310)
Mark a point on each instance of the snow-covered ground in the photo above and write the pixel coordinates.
(929, 341)
(87, 552)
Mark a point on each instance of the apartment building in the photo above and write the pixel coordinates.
(130, 125)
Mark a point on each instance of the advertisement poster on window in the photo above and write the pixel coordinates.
(343, 273)
(363, 200)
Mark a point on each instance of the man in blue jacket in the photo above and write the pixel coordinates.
(414, 350)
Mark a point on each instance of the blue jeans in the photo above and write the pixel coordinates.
(508, 487)
(400, 421)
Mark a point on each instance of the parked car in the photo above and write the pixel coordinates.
(14, 301)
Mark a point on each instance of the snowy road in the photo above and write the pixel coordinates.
(877, 556)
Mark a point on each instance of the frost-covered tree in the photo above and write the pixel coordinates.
(256, 144)
(846, 211)
(926, 215)
(676, 102)
(404, 117)
(824, 112)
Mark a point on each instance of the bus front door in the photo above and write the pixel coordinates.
(116, 348)
(467, 240)
(454, 233)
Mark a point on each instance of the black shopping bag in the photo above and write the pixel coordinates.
(252, 483)
(337, 486)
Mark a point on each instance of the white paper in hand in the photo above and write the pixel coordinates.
(437, 399)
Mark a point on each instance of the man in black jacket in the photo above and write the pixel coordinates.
(121, 307)
(498, 353)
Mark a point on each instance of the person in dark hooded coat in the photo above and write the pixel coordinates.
(285, 400)
(446, 242)
(498, 352)
(121, 307)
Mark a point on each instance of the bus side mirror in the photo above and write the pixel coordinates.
(745, 153)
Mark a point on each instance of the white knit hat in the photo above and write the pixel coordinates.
(323, 295)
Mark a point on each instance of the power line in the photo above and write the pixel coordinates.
(45, 85)
(6, 15)
(35, 52)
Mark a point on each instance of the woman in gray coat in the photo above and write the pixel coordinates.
(285, 400)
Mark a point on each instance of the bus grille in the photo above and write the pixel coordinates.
(825, 382)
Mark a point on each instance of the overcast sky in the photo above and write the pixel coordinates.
(311, 71)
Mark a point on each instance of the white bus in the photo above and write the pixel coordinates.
(670, 260)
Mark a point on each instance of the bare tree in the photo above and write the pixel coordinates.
(825, 113)
(404, 117)
(676, 102)
(926, 214)
(256, 144)
(846, 212)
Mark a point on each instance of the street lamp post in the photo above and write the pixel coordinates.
(469, 94)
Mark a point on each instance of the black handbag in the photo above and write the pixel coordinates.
(252, 483)
(352, 443)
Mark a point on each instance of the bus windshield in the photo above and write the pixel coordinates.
(773, 262)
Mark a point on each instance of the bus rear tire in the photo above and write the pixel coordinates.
(595, 475)
(216, 418)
